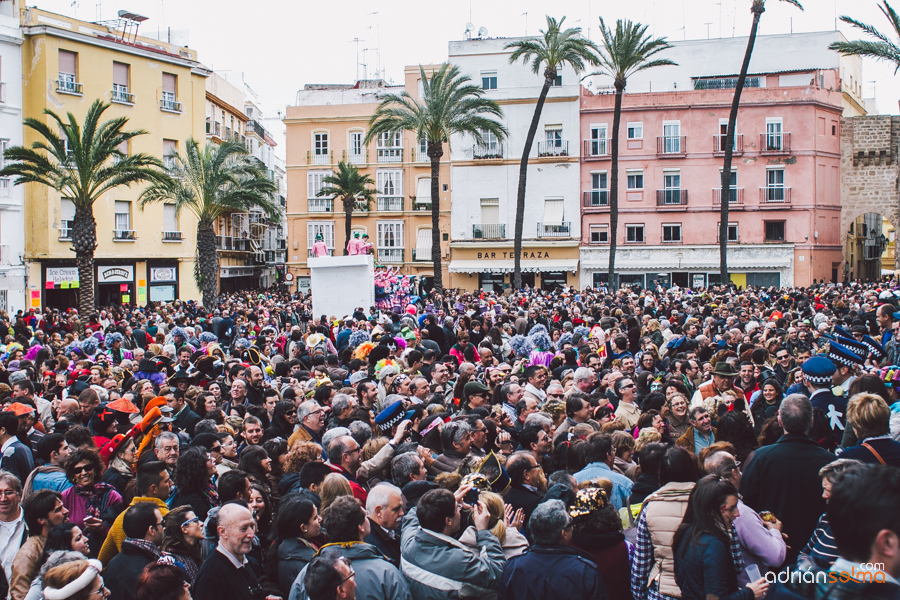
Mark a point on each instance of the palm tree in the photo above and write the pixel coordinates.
(555, 48)
(757, 8)
(210, 182)
(449, 105)
(884, 49)
(626, 51)
(351, 187)
(82, 163)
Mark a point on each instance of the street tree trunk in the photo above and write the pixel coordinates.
(84, 243)
(348, 218)
(435, 152)
(614, 188)
(725, 194)
(549, 78)
(207, 264)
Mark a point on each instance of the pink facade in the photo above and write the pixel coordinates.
(786, 196)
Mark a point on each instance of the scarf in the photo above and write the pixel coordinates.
(96, 497)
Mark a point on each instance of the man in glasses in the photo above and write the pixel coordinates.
(627, 412)
(225, 573)
(784, 364)
(143, 526)
(329, 576)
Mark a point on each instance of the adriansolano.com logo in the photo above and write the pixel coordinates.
(863, 573)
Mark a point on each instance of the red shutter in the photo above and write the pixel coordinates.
(169, 83)
(120, 74)
(67, 62)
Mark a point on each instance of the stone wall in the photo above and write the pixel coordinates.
(869, 170)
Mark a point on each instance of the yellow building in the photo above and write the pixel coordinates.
(144, 255)
(328, 125)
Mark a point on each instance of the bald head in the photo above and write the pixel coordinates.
(231, 513)
(69, 405)
(237, 528)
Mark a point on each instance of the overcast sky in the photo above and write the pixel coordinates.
(282, 45)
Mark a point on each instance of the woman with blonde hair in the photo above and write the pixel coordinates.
(334, 486)
(504, 524)
(77, 580)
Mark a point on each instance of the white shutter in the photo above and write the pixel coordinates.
(423, 244)
(553, 212)
(314, 183)
(423, 190)
(170, 221)
(66, 210)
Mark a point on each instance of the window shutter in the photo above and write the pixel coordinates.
(168, 83)
(423, 244)
(423, 190)
(67, 62)
(169, 147)
(170, 222)
(120, 74)
(66, 210)
(553, 212)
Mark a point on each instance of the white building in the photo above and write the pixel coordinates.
(485, 178)
(12, 198)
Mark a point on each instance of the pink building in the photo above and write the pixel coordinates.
(784, 220)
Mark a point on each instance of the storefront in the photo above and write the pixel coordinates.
(115, 285)
(233, 279)
(163, 282)
(547, 265)
(60, 286)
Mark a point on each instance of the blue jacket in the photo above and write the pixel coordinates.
(704, 568)
(551, 572)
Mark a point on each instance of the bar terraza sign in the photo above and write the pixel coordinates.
(510, 255)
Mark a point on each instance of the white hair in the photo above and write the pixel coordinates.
(380, 496)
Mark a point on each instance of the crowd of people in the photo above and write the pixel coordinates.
(623, 444)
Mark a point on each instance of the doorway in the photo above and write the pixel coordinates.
(680, 279)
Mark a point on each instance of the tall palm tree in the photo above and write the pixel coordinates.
(884, 49)
(626, 51)
(210, 182)
(352, 188)
(450, 105)
(547, 53)
(757, 8)
(82, 163)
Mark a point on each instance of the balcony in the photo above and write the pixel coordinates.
(390, 203)
(320, 205)
(425, 257)
(487, 151)
(719, 145)
(775, 143)
(554, 230)
(123, 235)
(389, 155)
(320, 157)
(172, 236)
(390, 255)
(598, 148)
(356, 158)
(422, 204)
(419, 156)
(671, 145)
(5, 187)
(254, 126)
(489, 231)
(774, 196)
(214, 128)
(596, 199)
(735, 201)
(233, 244)
(120, 95)
(65, 230)
(280, 244)
(170, 105)
(68, 86)
(328, 252)
(671, 198)
(553, 149)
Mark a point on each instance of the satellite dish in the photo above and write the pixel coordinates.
(470, 27)
(482, 32)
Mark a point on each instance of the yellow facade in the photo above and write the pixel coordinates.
(150, 254)
(340, 122)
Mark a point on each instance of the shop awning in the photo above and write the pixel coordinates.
(506, 266)
(689, 265)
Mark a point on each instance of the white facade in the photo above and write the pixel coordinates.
(485, 178)
(12, 198)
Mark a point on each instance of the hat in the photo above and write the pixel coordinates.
(357, 377)
(356, 234)
(477, 480)
(843, 355)
(19, 409)
(818, 370)
(475, 387)
(109, 449)
(875, 348)
(123, 405)
(495, 473)
(724, 369)
(158, 402)
(858, 348)
(77, 387)
(149, 365)
(251, 356)
(586, 501)
(181, 375)
(319, 236)
(390, 416)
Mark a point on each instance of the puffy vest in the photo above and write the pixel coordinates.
(665, 509)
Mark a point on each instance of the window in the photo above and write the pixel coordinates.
(553, 224)
(671, 233)
(672, 137)
(489, 80)
(357, 153)
(68, 73)
(774, 231)
(634, 180)
(774, 134)
(423, 190)
(598, 145)
(320, 147)
(120, 92)
(557, 82)
(169, 100)
(553, 135)
(490, 211)
(732, 232)
(423, 244)
(634, 234)
(423, 149)
(123, 220)
(635, 131)
(775, 185)
(390, 147)
(723, 137)
(599, 234)
(599, 194)
(170, 150)
(323, 228)
(390, 241)
(66, 219)
(171, 232)
(389, 187)
(489, 147)
(314, 184)
(672, 187)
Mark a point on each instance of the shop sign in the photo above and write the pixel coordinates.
(116, 274)
(699, 280)
(60, 274)
(163, 274)
(533, 254)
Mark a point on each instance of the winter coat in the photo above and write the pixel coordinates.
(376, 578)
(123, 570)
(610, 553)
(438, 567)
(293, 556)
(704, 569)
(552, 572)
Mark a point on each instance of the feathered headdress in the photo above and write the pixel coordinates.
(564, 339)
(90, 346)
(385, 362)
(363, 349)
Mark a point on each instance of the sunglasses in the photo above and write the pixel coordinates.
(189, 521)
(83, 469)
